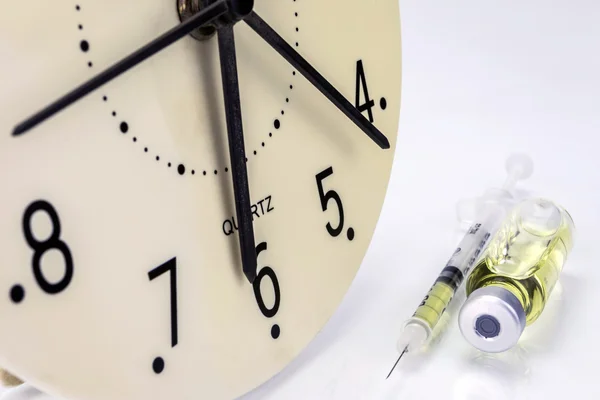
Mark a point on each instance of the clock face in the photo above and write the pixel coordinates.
(119, 261)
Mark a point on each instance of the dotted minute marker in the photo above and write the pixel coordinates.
(124, 127)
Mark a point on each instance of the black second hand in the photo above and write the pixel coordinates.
(286, 51)
(206, 16)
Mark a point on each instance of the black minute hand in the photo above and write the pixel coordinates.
(204, 17)
(237, 153)
(272, 38)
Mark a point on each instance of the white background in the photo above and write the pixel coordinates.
(481, 78)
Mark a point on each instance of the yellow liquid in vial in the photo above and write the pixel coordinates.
(526, 260)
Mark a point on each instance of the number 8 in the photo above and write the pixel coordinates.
(41, 247)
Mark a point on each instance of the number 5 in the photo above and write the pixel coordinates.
(330, 195)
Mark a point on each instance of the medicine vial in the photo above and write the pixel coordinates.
(511, 283)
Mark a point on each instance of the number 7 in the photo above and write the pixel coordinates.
(169, 266)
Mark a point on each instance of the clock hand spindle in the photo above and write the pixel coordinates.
(203, 17)
(284, 49)
(237, 152)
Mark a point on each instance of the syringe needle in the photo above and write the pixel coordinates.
(398, 360)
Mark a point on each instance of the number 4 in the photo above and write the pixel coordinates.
(361, 82)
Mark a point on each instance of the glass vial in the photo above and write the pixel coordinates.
(512, 281)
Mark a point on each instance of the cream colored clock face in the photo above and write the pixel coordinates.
(119, 257)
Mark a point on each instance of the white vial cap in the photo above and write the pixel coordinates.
(492, 319)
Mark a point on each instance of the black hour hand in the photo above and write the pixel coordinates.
(237, 152)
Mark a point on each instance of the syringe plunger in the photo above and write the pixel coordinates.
(519, 166)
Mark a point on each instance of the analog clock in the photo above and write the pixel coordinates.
(188, 186)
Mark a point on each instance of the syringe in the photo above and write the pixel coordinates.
(489, 213)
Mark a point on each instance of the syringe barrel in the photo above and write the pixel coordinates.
(457, 268)
(474, 242)
(434, 304)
